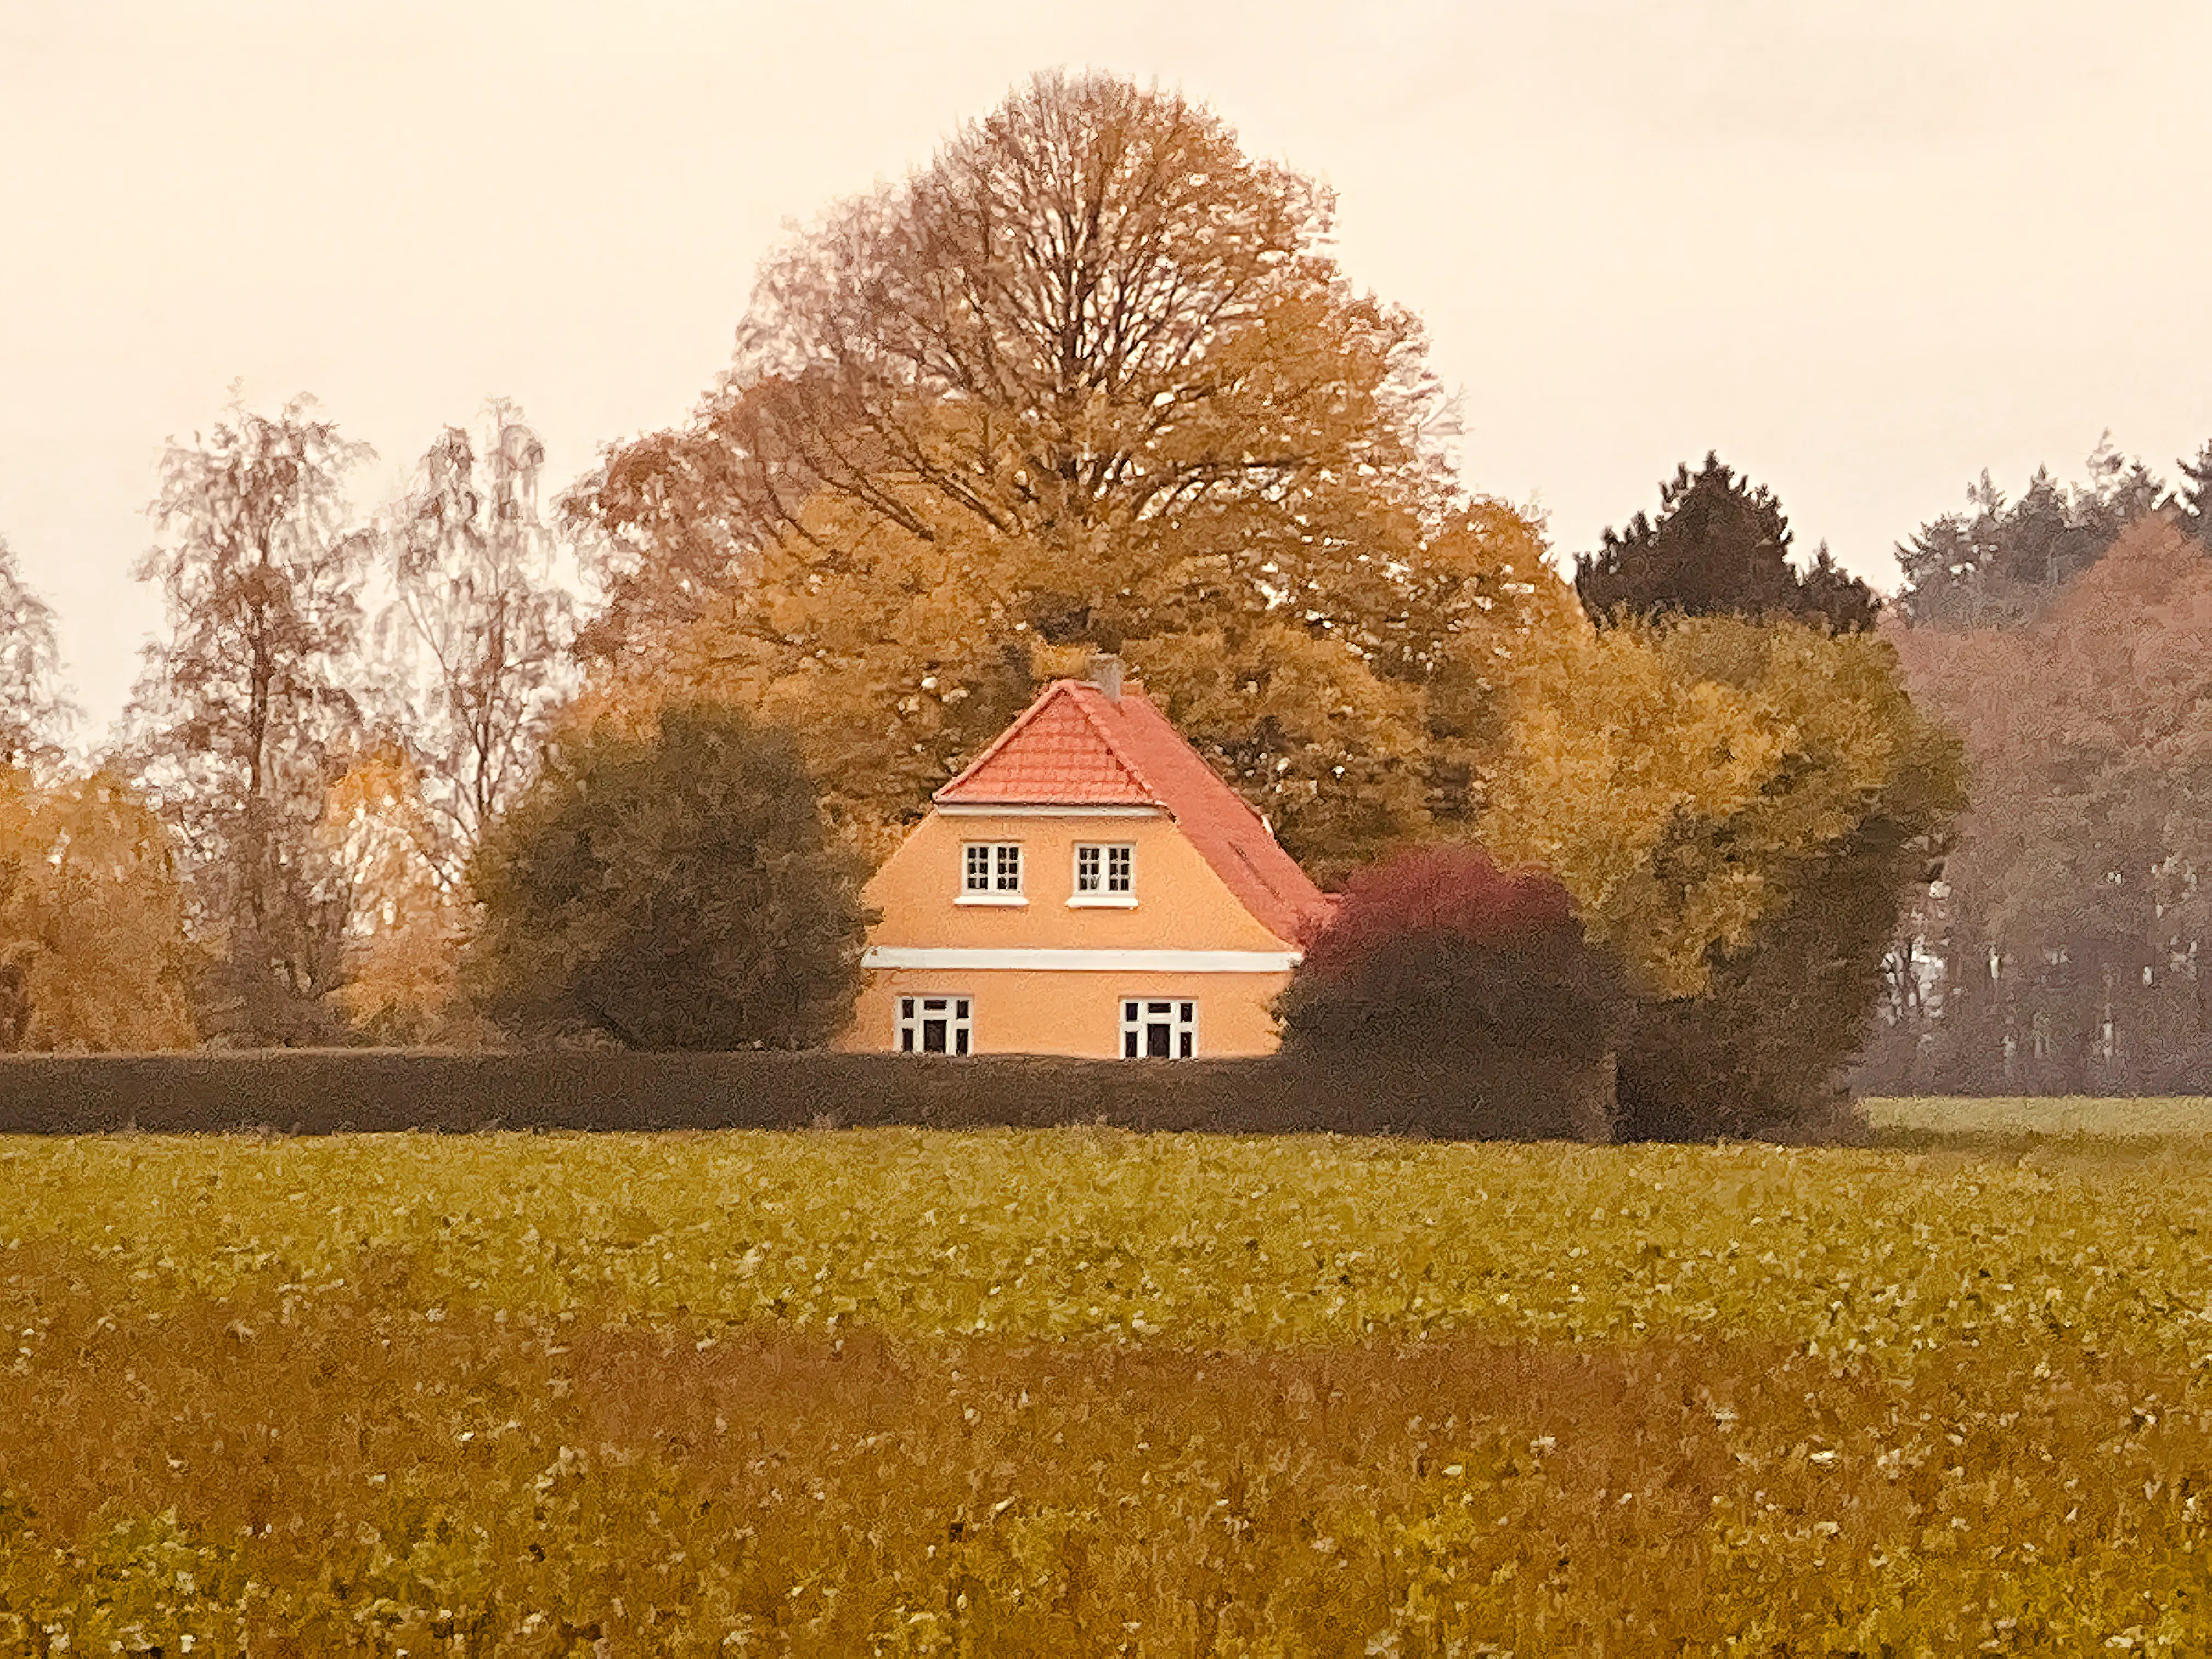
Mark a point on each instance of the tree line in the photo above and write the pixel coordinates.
(2061, 946)
(1091, 380)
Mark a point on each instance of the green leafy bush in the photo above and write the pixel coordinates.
(673, 892)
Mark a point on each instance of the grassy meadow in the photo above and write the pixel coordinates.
(1077, 1392)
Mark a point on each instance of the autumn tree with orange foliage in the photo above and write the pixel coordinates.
(93, 952)
(1091, 379)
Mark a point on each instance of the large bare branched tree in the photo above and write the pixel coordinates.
(1102, 363)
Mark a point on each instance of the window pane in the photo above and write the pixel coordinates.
(1186, 1013)
(1183, 1042)
(976, 877)
(1118, 862)
(1009, 868)
(935, 1025)
(1129, 1043)
(1155, 1040)
(1086, 869)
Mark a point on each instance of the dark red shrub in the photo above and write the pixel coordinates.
(1445, 889)
(1439, 951)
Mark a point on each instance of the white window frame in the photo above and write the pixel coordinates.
(1176, 1016)
(1104, 896)
(913, 1015)
(1001, 871)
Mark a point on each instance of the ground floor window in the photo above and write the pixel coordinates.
(935, 1025)
(1158, 1031)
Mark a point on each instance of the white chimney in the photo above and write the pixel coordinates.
(1106, 674)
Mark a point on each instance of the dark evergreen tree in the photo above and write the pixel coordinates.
(2193, 500)
(1999, 563)
(1719, 547)
(673, 892)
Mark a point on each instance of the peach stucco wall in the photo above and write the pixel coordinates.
(1068, 1013)
(1181, 905)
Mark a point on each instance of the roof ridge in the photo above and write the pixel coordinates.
(1125, 751)
(1121, 757)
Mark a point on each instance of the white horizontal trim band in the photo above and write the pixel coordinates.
(969, 810)
(1098, 961)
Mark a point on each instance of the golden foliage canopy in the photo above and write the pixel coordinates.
(897, 657)
(93, 954)
(1092, 379)
(1683, 780)
(405, 927)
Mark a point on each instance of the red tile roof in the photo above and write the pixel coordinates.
(1076, 746)
(1060, 752)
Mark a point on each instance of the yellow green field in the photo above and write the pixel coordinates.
(1078, 1392)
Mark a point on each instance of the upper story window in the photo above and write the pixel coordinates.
(1105, 873)
(991, 873)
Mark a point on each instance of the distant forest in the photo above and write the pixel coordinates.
(2061, 945)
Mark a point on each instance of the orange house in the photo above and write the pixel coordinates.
(1089, 886)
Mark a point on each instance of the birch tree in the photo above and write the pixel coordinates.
(475, 640)
(248, 701)
(34, 710)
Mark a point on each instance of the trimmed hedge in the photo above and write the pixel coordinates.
(324, 1092)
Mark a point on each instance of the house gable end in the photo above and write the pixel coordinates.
(1077, 748)
(1058, 753)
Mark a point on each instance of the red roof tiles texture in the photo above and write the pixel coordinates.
(1076, 746)
(1057, 753)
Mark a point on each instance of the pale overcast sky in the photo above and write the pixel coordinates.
(1863, 249)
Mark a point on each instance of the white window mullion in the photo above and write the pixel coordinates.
(991, 873)
(1159, 1028)
(1105, 875)
(936, 1025)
